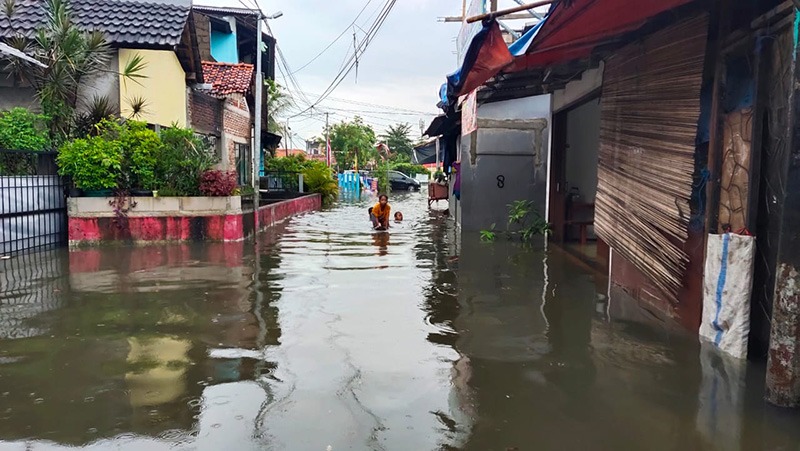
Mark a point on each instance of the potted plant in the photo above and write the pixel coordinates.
(94, 164)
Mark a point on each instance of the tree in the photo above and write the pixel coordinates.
(349, 139)
(278, 100)
(68, 55)
(398, 138)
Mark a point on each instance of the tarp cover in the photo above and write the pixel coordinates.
(728, 283)
(573, 29)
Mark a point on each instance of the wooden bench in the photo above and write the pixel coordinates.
(582, 224)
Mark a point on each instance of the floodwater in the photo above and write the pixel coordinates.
(324, 335)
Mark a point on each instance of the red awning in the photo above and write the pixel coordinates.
(572, 32)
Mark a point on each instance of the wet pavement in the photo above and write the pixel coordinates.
(324, 335)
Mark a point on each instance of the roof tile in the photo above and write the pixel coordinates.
(125, 22)
(228, 78)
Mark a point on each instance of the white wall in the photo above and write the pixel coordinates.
(583, 141)
(589, 82)
(518, 155)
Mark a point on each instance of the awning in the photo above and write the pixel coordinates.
(573, 29)
(487, 55)
(426, 153)
(440, 125)
(270, 140)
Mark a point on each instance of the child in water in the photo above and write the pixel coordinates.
(380, 213)
(398, 217)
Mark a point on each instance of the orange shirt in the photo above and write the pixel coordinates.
(381, 211)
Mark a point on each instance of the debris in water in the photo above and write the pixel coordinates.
(329, 448)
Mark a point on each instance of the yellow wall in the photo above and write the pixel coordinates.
(164, 89)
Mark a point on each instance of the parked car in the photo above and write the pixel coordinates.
(402, 182)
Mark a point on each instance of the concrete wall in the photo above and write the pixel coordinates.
(16, 96)
(505, 161)
(589, 82)
(103, 84)
(583, 140)
(174, 219)
(164, 87)
(224, 48)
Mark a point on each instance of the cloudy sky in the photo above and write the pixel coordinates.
(402, 69)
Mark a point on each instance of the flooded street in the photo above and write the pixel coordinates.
(324, 335)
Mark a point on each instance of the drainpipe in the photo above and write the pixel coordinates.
(255, 154)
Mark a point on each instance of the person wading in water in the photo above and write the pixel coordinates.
(380, 213)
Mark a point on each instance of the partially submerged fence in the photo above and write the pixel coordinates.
(33, 209)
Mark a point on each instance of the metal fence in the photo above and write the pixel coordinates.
(33, 209)
(280, 182)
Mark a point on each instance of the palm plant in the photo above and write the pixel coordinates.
(278, 100)
(69, 55)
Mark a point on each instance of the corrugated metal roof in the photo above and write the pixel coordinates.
(226, 11)
(125, 22)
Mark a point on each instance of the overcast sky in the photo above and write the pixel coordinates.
(403, 67)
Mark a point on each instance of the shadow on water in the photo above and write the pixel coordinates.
(324, 333)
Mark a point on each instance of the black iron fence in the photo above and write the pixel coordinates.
(280, 182)
(33, 209)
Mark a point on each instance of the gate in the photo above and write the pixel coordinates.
(33, 207)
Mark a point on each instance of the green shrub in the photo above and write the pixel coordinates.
(409, 169)
(22, 130)
(184, 159)
(142, 149)
(292, 163)
(319, 178)
(93, 163)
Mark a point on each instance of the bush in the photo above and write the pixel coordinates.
(184, 159)
(410, 169)
(218, 183)
(319, 179)
(93, 163)
(22, 130)
(142, 150)
(292, 163)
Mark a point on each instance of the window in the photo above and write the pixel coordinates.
(243, 166)
(211, 143)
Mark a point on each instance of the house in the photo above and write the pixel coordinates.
(279, 153)
(220, 111)
(160, 33)
(228, 38)
(640, 129)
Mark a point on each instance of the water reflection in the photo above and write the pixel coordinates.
(325, 334)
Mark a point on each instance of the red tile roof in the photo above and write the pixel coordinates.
(228, 78)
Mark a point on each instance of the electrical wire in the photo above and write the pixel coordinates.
(335, 40)
(361, 48)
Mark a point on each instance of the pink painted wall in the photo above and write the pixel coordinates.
(222, 228)
(269, 215)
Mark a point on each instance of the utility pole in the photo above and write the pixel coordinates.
(493, 6)
(256, 153)
(328, 149)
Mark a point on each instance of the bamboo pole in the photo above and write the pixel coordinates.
(505, 12)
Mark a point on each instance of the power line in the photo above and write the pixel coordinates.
(335, 40)
(389, 5)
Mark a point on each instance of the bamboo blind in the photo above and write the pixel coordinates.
(650, 108)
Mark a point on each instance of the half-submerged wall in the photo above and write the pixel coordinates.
(175, 219)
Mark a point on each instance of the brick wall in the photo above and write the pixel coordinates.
(236, 123)
(205, 113)
(202, 27)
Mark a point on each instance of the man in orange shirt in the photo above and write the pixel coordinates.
(380, 213)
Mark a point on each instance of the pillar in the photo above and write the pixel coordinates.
(783, 366)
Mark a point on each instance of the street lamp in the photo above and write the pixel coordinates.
(277, 15)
